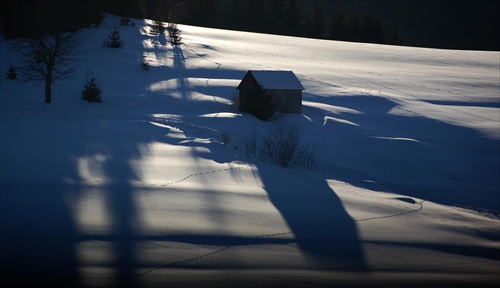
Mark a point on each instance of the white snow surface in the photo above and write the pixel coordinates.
(284, 80)
(153, 188)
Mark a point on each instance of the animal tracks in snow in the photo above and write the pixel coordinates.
(310, 226)
(196, 174)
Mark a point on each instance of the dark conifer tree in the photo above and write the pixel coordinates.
(157, 28)
(91, 91)
(201, 12)
(314, 25)
(128, 8)
(338, 25)
(372, 30)
(353, 26)
(266, 14)
(175, 34)
(145, 65)
(124, 20)
(172, 11)
(292, 10)
(142, 7)
(30, 19)
(394, 36)
(226, 16)
(275, 17)
(114, 40)
(285, 17)
(11, 73)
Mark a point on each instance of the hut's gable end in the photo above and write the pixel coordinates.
(248, 82)
(250, 92)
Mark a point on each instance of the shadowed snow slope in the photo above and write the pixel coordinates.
(153, 187)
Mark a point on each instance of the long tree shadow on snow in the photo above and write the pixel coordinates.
(122, 207)
(119, 146)
(324, 232)
(183, 82)
(418, 156)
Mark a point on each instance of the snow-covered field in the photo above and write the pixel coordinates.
(141, 191)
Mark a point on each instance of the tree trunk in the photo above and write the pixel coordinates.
(48, 90)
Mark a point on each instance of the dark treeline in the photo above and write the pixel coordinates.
(456, 24)
(29, 18)
(302, 18)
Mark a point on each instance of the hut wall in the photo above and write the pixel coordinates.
(264, 103)
(287, 101)
(249, 91)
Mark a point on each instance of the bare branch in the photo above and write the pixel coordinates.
(49, 57)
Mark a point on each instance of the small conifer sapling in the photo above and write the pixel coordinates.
(91, 91)
(11, 73)
(145, 65)
(175, 34)
(114, 40)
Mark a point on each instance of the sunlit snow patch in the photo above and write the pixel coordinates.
(221, 115)
(343, 121)
(396, 138)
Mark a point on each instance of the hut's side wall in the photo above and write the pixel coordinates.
(294, 101)
(286, 101)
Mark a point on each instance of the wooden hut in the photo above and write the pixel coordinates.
(263, 93)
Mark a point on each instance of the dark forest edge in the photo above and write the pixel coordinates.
(434, 24)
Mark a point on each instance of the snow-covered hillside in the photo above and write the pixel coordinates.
(153, 188)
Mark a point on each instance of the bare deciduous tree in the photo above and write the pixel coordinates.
(49, 57)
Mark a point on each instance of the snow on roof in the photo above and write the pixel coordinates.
(270, 79)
